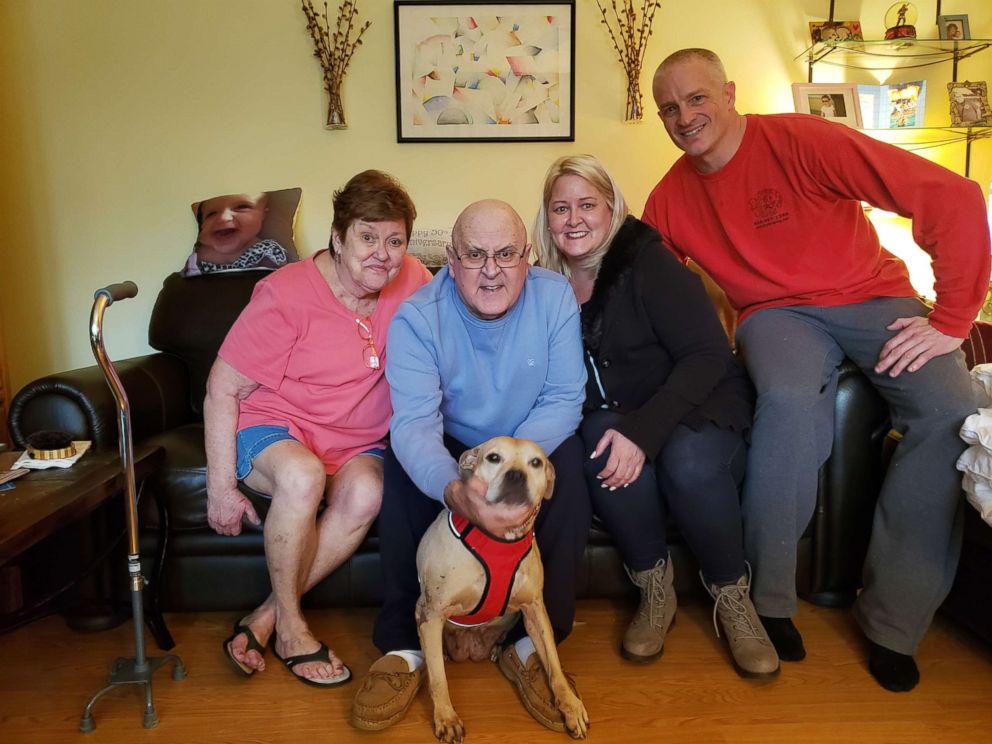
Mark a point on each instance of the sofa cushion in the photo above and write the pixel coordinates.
(196, 337)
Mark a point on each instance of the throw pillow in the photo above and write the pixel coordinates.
(243, 232)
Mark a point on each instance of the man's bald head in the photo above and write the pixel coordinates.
(488, 214)
(490, 227)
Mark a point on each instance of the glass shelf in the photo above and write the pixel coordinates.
(886, 54)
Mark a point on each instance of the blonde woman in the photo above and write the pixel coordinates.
(667, 407)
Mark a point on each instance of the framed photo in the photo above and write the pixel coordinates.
(830, 31)
(954, 27)
(485, 71)
(969, 104)
(834, 101)
(895, 106)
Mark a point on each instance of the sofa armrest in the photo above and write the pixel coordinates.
(80, 401)
(849, 484)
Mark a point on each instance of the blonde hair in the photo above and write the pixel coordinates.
(593, 171)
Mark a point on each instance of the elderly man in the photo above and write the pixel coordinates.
(770, 207)
(490, 347)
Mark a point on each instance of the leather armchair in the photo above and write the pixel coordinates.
(205, 571)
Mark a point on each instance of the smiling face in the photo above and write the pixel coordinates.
(579, 217)
(697, 108)
(370, 254)
(490, 226)
(229, 224)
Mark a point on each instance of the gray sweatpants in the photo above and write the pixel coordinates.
(792, 354)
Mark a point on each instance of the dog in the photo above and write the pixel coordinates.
(467, 609)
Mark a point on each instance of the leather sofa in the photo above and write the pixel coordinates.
(205, 571)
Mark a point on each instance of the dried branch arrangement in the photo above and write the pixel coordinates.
(334, 47)
(630, 30)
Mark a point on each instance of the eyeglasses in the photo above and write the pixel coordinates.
(369, 351)
(475, 259)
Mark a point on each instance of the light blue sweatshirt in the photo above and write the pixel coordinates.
(452, 373)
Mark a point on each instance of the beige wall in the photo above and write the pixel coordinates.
(116, 114)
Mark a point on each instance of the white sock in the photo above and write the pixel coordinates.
(414, 659)
(524, 648)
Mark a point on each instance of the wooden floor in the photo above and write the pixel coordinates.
(690, 695)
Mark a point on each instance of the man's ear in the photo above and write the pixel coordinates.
(450, 250)
(731, 91)
(549, 477)
(467, 463)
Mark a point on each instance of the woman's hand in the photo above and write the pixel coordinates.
(226, 507)
(624, 464)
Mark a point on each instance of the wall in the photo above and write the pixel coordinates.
(116, 114)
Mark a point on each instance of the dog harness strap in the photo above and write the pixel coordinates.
(500, 560)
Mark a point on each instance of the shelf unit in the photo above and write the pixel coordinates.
(904, 54)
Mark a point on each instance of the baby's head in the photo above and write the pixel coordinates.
(229, 224)
(825, 100)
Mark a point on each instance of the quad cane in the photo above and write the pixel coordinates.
(139, 670)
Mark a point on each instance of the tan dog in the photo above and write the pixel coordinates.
(453, 583)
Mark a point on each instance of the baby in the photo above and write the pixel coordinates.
(827, 110)
(228, 238)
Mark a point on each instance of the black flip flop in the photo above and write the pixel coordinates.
(321, 654)
(253, 645)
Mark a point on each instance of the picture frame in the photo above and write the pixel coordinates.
(837, 102)
(485, 71)
(954, 27)
(828, 32)
(969, 103)
(894, 106)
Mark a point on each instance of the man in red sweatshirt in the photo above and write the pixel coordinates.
(749, 201)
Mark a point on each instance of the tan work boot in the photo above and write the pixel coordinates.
(532, 685)
(752, 651)
(645, 637)
(386, 693)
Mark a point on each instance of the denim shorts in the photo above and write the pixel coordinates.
(253, 440)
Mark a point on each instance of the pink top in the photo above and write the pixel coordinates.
(303, 348)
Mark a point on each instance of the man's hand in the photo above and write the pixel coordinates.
(915, 344)
(625, 462)
(468, 498)
(225, 507)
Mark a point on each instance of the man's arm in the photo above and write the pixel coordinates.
(416, 428)
(558, 409)
(949, 223)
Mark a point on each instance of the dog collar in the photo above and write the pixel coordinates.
(500, 560)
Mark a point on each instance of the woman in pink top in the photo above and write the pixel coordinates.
(297, 407)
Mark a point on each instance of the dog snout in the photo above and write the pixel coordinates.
(513, 489)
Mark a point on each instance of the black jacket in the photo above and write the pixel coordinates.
(653, 342)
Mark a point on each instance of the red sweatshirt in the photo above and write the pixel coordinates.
(782, 224)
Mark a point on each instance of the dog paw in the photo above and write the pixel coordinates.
(576, 719)
(450, 730)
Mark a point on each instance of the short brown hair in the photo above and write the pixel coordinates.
(686, 55)
(373, 196)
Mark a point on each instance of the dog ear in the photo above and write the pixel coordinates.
(549, 475)
(467, 462)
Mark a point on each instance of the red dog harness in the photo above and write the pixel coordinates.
(500, 560)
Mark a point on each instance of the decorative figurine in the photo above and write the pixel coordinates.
(899, 20)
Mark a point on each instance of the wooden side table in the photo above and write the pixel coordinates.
(47, 501)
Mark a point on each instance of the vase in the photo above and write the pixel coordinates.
(634, 110)
(335, 111)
